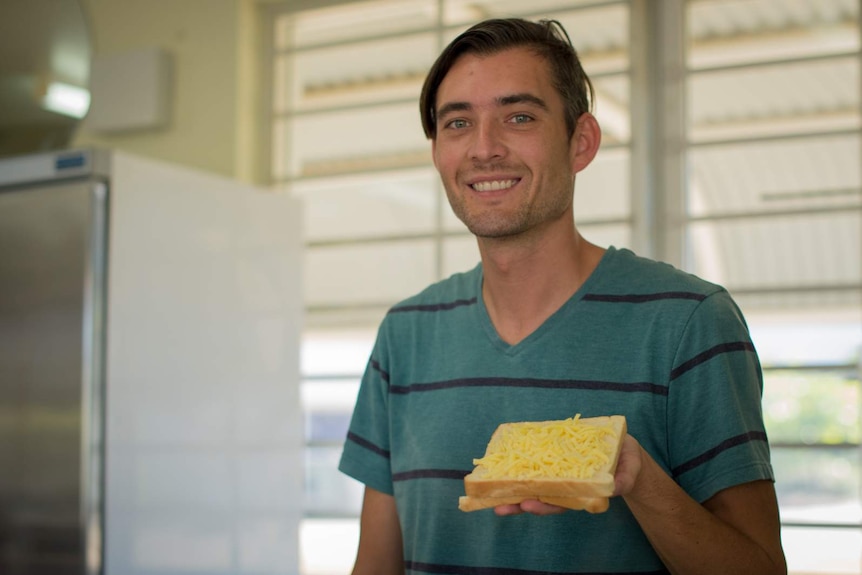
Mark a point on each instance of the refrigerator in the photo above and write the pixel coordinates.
(149, 364)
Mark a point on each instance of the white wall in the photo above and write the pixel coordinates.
(215, 91)
(204, 433)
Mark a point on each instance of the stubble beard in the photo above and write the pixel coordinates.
(500, 223)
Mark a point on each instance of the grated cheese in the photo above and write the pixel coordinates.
(567, 448)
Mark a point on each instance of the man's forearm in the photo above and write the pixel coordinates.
(723, 536)
(380, 549)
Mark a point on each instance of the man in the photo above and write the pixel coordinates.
(548, 326)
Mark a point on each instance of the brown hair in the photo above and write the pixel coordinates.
(547, 38)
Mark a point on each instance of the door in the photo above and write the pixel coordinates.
(52, 254)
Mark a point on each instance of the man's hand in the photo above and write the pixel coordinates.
(629, 466)
(529, 506)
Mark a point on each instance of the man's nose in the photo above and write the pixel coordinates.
(488, 142)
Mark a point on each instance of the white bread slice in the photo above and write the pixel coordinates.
(589, 504)
(484, 489)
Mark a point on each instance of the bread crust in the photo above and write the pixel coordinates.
(589, 504)
(589, 494)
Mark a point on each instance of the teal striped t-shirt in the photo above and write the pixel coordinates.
(666, 349)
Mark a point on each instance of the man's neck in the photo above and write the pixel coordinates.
(527, 282)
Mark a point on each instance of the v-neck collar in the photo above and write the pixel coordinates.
(549, 324)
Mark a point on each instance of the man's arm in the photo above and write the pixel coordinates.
(380, 551)
(735, 531)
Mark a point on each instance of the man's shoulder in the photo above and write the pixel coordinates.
(457, 290)
(628, 272)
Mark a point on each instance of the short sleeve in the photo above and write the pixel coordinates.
(366, 456)
(716, 435)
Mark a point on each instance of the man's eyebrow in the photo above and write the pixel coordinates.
(523, 98)
(453, 107)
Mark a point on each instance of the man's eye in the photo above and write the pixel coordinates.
(521, 119)
(457, 124)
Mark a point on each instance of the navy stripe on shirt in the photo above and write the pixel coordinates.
(445, 306)
(430, 474)
(709, 354)
(643, 298)
(468, 570)
(534, 383)
(375, 365)
(718, 450)
(361, 441)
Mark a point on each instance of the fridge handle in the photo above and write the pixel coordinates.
(93, 381)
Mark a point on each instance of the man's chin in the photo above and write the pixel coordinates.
(496, 232)
(494, 225)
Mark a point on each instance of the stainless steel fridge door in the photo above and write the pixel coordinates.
(52, 258)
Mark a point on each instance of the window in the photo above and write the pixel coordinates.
(774, 213)
(734, 155)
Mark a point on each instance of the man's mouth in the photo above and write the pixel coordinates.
(493, 186)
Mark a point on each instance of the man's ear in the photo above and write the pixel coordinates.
(585, 141)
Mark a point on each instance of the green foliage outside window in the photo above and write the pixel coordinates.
(812, 418)
(809, 407)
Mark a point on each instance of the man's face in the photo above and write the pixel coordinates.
(502, 147)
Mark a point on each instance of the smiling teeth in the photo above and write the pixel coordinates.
(493, 186)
